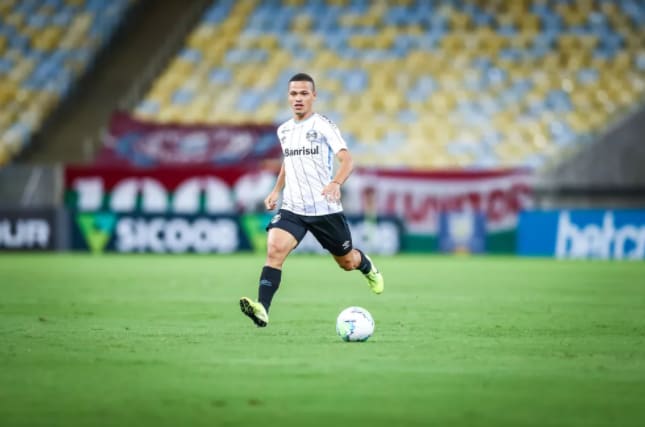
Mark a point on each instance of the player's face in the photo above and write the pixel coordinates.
(301, 99)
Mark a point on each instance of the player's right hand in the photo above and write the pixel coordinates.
(271, 201)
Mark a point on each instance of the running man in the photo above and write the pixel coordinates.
(310, 198)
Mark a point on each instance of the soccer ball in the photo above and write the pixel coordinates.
(354, 324)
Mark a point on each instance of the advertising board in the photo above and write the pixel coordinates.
(583, 234)
(417, 199)
(29, 229)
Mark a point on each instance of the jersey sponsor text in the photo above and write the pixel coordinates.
(303, 151)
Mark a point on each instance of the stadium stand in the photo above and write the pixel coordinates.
(457, 83)
(45, 47)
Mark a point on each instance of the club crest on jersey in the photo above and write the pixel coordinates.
(313, 136)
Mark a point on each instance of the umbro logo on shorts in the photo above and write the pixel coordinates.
(276, 218)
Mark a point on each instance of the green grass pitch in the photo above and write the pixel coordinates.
(460, 341)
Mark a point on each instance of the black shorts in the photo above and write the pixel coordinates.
(331, 231)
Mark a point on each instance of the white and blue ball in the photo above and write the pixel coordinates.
(354, 324)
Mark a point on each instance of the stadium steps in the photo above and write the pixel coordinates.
(613, 162)
(71, 133)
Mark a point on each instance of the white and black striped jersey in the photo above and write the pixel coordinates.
(309, 149)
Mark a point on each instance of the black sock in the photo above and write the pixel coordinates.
(365, 266)
(269, 284)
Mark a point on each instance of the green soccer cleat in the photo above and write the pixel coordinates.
(375, 278)
(255, 310)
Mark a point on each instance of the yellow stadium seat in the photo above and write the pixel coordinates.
(5, 156)
(489, 42)
(6, 6)
(6, 118)
(460, 21)
(453, 42)
(294, 3)
(48, 39)
(578, 121)
(529, 23)
(7, 91)
(15, 19)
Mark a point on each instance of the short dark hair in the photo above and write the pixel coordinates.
(303, 77)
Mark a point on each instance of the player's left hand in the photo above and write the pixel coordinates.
(331, 192)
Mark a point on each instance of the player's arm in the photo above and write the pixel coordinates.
(272, 199)
(346, 165)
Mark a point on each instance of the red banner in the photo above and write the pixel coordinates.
(416, 197)
(419, 197)
(132, 142)
(158, 190)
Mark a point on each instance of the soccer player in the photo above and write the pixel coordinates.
(310, 200)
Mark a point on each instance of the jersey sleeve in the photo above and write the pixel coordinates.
(278, 133)
(333, 136)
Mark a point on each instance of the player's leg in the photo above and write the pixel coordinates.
(358, 260)
(332, 231)
(285, 232)
(280, 243)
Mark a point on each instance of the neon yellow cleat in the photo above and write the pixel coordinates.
(375, 278)
(255, 311)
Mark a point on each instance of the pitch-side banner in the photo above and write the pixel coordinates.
(583, 234)
(419, 198)
(32, 229)
(133, 142)
(194, 190)
(415, 198)
(105, 231)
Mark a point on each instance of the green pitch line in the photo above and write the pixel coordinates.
(160, 341)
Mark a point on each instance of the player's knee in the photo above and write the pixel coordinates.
(346, 264)
(276, 251)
